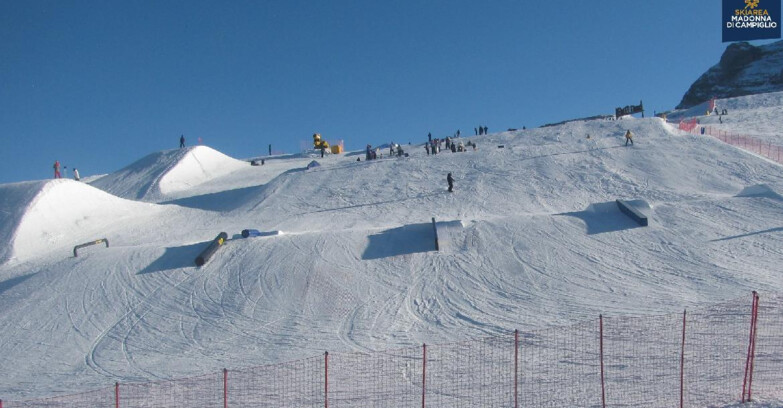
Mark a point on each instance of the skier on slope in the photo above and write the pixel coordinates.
(450, 180)
(628, 137)
(57, 169)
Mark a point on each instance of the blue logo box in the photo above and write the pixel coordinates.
(746, 20)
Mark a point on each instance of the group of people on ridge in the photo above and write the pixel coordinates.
(373, 154)
(57, 173)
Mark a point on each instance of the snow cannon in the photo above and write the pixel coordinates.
(318, 143)
(207, 253)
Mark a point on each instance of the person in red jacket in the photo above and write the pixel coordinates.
(57, 169)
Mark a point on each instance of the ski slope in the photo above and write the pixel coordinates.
(530, 238)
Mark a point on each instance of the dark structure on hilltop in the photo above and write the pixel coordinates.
(743, 69)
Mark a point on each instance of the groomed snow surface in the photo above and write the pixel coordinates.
(531, 238)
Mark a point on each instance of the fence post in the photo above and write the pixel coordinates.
(326, 379)
(753, 351)
(750, 346)
(682, 362)
(117, 395)
(516, 369)
(225, 388)
(423, 372)
(601, 354)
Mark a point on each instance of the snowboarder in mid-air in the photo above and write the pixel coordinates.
(450, 180)
(628, 137)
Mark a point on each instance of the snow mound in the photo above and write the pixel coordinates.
(38, 217)
(760, 190)
(160, 175)
(14, 200)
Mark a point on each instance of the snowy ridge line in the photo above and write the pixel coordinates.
(563, 358)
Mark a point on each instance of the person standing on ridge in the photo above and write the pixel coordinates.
(450, 180)
(76, 174)
(57, 169)
(181, 141)
(628, 137)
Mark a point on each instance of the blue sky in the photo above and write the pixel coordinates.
(100, 84)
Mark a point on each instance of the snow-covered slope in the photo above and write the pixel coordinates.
(531, 237)
(41, 217)
(759, 116)
(162, 175)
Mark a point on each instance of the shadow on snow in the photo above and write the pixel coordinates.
(408, 239)
(603, 217)
(176, 258)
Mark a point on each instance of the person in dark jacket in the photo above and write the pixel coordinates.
(450, 180)
(181, 141)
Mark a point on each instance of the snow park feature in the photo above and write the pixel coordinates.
(210, 250)
(252, 233)
(46, 217)
(313, 165)
(630, 210)
(435, 231)
(97, 241)
(449, 237)
(542, 248)
(169, 174)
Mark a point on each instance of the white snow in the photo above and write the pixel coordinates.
(759, 116)
(531, 237)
